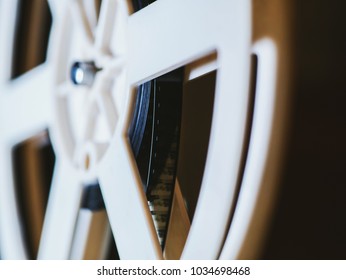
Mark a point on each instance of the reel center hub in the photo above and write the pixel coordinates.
(83, 73)
(91, 86)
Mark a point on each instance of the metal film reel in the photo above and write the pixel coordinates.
(146, 129)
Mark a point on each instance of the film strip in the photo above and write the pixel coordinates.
(154, 136)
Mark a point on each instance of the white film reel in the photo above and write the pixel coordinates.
(118, 50)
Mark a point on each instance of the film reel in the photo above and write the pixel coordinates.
(106, 137)
(162, 122)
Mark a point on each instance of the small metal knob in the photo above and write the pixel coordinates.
(83, 73)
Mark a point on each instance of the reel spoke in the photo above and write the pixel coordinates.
(63, 206)
(167, 54)
(7, 34)
(11, 240)
(91, 12)
(107, 108)
(25, 98)
(126, 204)
(81, 20)
(92, 231)
(57, 7)
(111, 28)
